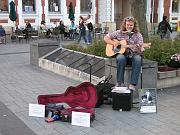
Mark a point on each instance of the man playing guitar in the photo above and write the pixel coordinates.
(127, 45)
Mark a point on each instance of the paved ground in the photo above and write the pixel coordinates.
(21, 83)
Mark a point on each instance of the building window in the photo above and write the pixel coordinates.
(175, 6)
(28, 6)
(3, 6)
(54, 5)
(86, 6)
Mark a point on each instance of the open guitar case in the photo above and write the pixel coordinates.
(81, 98)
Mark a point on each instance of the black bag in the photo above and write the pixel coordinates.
(90, 26)
(174, 64)
(175, 61)
(104, 92)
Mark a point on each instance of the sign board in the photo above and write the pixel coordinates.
(148, 100)
(36, 110)
(81, 119)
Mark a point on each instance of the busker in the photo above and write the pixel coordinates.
(132, 40)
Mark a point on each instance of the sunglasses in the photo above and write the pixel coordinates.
(129, 18)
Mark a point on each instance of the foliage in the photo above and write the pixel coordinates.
(98, 48)
(160, 51)
(76, 47)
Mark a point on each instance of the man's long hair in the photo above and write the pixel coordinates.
(135, 29)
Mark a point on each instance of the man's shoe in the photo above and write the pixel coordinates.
(132, 87)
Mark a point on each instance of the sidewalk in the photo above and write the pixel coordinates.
(21, 83)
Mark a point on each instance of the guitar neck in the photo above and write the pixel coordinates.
(145, 45)
(126, 46)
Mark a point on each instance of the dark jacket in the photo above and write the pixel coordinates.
(82, 27)
(163, 27)
(28, 26)
(2, 32)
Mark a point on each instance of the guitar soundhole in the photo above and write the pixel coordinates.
(117, 49)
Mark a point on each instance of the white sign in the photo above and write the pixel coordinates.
(148, 109)
(81, 119)
(36, 110)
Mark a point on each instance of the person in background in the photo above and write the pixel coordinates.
(2, 34)
(44, 31)
(82, 30)
(128, 34)
(164, 28)
(54, 24)
(28, 25)
(89, 29)
(43, 26)
(72, 29)
(16, 27)
(63, 29)
(27, 29)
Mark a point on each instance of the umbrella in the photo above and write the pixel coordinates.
(71, 12)
(12, 14)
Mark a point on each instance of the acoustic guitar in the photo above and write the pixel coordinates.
(111, 50)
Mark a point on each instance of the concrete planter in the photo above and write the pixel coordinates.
(151, 77)
(73, 67)
(168, 78)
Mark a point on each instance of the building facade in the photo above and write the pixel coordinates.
(157, 8)
(107, 12)
(49, 10)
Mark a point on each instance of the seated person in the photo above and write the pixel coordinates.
(43, 27)
(2, 34)
(54, 24)
(44, 30)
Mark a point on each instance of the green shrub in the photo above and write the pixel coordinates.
(98, 48)
(161, 50)
(76, 47)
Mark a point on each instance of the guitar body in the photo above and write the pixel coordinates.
(111, 50)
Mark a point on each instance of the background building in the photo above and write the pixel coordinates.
(49, 10)
(105, 12)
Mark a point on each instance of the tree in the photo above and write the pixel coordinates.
(138, 11)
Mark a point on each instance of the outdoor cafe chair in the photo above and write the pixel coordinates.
(19, 35)
(97, 32)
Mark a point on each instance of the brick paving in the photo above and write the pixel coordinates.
(21, 83)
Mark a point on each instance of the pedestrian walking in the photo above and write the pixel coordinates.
(164, 28)
(82, 30)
